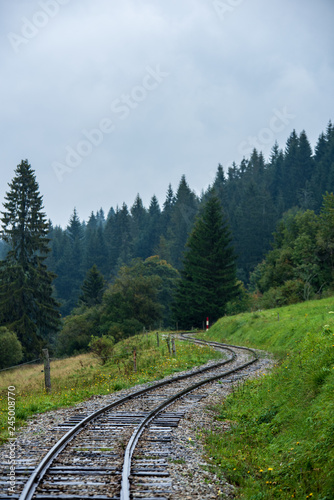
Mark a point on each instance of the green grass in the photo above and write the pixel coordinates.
(281, 438)
(78, 378)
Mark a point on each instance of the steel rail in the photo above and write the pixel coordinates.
(126, 472)
(212, 343)
(38, 474)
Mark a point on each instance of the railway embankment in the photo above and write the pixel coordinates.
(277, 434)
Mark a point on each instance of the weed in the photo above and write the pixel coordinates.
(177, 461)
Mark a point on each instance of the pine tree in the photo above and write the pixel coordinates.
(27, 306)
(208, 278)
(184, 212)
(254, 228)
(92, 288)
(70, 268)
(153, 230)
(291, 172)
(220, 185)
(138, 224)
(167, 210)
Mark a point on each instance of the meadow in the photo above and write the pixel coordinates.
(77, 378)
(280, 444)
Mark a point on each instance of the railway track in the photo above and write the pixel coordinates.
(121, 450)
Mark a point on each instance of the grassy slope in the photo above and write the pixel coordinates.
(78, 378)
(281, 441)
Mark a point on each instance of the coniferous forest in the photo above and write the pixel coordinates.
(120, 272)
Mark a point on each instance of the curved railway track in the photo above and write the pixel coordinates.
(121, 450)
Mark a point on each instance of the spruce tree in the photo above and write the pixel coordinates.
(27, 306)
(183, 215)
(154, 229)
(92, 288)
(208, 278)
(138, 224)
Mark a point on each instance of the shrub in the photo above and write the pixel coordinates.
(76, 333)
(102, 347)
(291, 292)
(11, 348)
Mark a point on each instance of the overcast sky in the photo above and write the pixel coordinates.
(110, 98)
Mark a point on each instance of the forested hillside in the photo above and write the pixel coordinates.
(254, 195)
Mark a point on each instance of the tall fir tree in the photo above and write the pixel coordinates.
(184, 212)
(167, 210)
(92, 288)
(138, 224)
(72, 263)
(208, 277)
(154, 230)
(27, 305)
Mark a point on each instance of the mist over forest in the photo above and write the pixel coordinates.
(254, 195)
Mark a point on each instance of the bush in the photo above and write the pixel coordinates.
(241, 303)
(291, 292)
(102, 347)
(77, 332)
(11, 348)
(122, 330)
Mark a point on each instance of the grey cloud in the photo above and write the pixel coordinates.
(226, 76)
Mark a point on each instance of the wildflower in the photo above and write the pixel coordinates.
(270, 468)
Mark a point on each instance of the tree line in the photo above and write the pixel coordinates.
(254, 196)
(139, 267)
(143, 293)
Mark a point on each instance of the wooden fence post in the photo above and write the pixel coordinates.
(158, 341)
(173, 346)
(168, 344)
(134, 361)
(47, 376)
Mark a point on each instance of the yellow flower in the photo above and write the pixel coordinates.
(270, 468)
